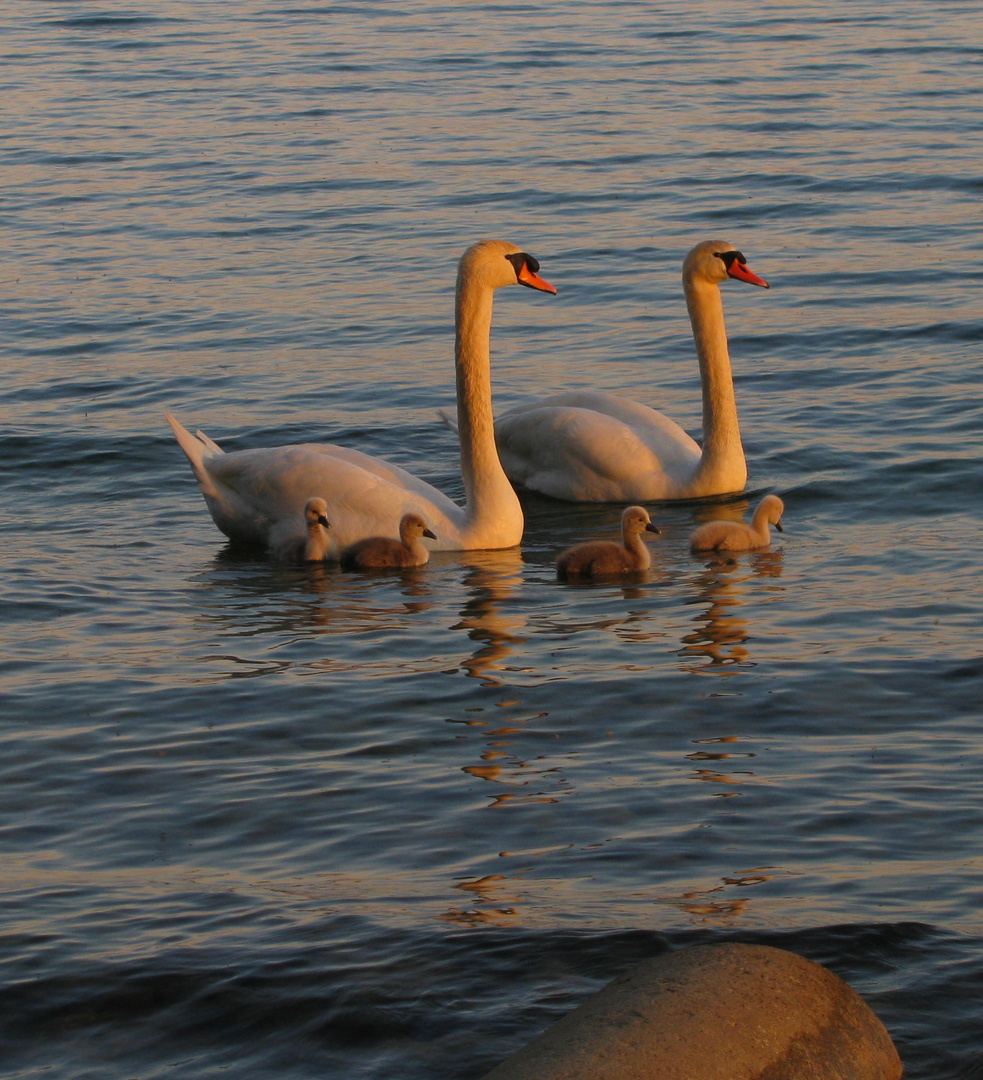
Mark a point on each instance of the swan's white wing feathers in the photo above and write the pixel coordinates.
(592, 447)
(210, 443)
(258, 496)
(365, 496)
(449, 416)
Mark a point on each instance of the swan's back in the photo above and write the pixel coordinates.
(586, 446)
(255, 495)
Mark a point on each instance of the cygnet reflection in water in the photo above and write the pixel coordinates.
(737, 535)
(383, 552)
(604, 558)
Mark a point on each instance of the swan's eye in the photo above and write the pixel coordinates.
(519, 259)
(728, 257)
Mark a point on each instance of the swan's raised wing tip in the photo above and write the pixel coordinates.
(448, 417)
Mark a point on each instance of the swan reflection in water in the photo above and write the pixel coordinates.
(491, 578)
(266, 606)
(359, 606)
(495, 893)
(506, 777)
(717, 903)
(267, 617)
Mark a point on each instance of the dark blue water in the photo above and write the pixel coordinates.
(288, 822)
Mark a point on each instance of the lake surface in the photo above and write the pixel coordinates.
(287, 822)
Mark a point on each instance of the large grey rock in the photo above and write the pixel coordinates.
(714, 1012)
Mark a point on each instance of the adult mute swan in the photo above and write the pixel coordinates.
(250, 491)
(589, 446)
(598, 558)
(736, 535)
(383, 552)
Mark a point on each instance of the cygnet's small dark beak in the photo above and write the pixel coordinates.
(427, 532)
(322, 520)
(651, 528)
(778, 526)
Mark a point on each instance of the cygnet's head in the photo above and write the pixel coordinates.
(773, 508)
(717, 260)
(316, 513)
(635, 520)
(413, 525)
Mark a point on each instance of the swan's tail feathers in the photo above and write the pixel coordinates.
(449, 416)
(196, 450)
(210, 443)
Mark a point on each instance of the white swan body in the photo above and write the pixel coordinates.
(311, 545)
(738, 536)
(599, 558)
(589, 446)
(250, 492)
(383, 552)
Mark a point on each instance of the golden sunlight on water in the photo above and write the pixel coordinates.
(279, 821)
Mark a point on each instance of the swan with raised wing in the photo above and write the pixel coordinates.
(249, 491)
(590, 446)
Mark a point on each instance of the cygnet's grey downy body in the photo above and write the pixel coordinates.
(601, 558)
(382, 552)
(737, 535)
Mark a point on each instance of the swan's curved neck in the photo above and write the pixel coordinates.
(723, 455)
(491, 504)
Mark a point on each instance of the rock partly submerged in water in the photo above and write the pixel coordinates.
(714, 1012)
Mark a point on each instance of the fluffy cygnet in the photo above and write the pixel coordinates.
(736, 535)
(379, 552)
(597, 558)
(311, 546)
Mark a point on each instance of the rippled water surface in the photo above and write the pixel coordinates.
(288, 822)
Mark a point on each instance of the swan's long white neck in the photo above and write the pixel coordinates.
(491, 504)
(722, 460)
